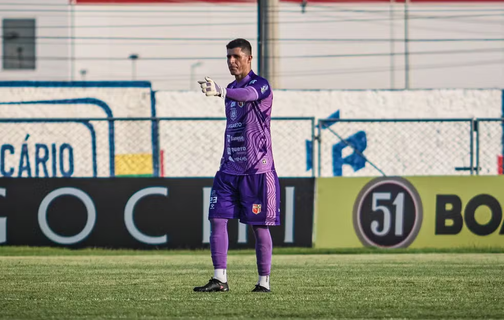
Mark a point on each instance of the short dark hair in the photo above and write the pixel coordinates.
(240, 43)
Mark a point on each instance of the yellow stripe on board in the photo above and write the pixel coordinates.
(133, 164)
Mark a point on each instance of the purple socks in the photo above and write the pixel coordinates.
(219, 243)
(264, 249)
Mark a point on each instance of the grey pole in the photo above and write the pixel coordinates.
(267, 40)
(406, 46)
(392, 45)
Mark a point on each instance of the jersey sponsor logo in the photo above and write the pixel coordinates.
(239, 138)
(233, 104)
(233, 114)
(241, 104)
(238, 149)
(235, 125)
(264, 88)
(256, 208)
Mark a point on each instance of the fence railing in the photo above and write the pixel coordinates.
(192, 147)
(109, 147)
(374, 147)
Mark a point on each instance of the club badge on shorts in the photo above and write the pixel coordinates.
(256, 208)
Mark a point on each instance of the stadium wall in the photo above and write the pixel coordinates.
(104, 148)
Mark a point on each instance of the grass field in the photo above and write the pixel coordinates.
(47, 283)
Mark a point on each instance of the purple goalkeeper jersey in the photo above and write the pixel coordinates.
(247, 144)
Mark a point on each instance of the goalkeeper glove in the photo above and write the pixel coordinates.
(210, 88)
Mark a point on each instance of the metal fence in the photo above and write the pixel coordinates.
(192, 147)
(109, 147)
(366, 147)
(374, 147)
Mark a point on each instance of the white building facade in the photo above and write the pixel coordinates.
(325, 45)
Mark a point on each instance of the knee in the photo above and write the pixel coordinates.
(218, 223)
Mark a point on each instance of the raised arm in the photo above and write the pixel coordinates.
(242, 94)
(257, 90)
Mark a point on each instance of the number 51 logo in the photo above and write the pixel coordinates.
(387, 213)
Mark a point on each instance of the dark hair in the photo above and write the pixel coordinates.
(240, 43)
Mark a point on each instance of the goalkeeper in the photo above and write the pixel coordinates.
(246, 186)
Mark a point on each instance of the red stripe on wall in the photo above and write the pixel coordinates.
(161, 163)
(254, 1)
(500, 163)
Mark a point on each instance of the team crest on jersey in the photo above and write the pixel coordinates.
(241, 104)
(233, 114)
(233, 104)
(264, 88)
(256, 208)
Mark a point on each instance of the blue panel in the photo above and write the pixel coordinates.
(327, 124)
(358, 142)
(309, 152)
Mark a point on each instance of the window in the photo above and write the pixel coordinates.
(19, 44)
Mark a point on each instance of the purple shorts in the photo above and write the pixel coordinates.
(254, 198)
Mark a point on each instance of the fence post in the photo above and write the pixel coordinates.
(476, 130)
(313, 145)
(155, 147)
(471, 152)
(111, 138)
(319, 147)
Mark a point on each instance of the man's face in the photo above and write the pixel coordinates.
(238, 61)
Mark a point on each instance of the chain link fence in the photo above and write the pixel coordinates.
(167, 147)
(489, 146)
(77, 147)
(192, 147)
(395, 147)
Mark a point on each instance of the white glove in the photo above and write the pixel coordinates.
(210, 88)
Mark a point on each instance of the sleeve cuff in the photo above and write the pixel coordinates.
(223, 93)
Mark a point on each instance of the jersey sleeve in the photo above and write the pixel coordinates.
(256, 89)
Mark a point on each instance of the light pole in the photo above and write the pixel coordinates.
(406, 46)
(392, 45)
(133, 58)
(193, 80)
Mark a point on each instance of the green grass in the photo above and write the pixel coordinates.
(52, 251)
(156, 285)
